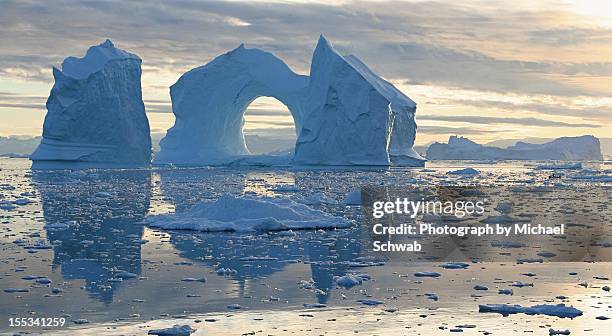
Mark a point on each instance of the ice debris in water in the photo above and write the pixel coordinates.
(247, 214)
(464, 171)
(559, 310)
(352, 198)
(351, 280)
(426, 274)
(176, 330)
(455, 265)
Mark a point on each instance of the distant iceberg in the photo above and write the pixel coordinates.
(585, 147)
(95, 113)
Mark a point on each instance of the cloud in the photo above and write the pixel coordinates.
(441, 130)
(503, 120)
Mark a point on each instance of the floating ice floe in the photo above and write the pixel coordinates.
(247, 214)
(176, 330)
(552, 331)
(351, 280)
(464, 171)
(352, 198)
(559, 166)
(426, 274)
(559, 310)
(455, 265)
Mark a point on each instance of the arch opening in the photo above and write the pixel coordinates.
(269, 127)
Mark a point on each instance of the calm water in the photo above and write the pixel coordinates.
(82, 230)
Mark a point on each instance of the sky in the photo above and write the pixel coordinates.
(487, 70)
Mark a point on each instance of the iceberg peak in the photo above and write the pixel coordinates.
(94, 60)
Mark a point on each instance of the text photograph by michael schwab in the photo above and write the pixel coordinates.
(305, 167)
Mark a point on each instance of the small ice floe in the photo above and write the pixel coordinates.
(559, 310)
(552, 331)
(22, 201)
(529, 274)
(426, 274)
(351, 280)
(558, 166)
(44, 281)
(248, 214)
(318, 199)
(126, 275)
(370, 302)
(33, 277)
(57, 226)
(481, 288)
(507, 291)
(547, 254)
(201, 279)
(234, 306)
(455, 265)
(529, 260)
(226, 271)
(314, 305)
(285, 188)
(103, 194)
(584, 284)
(602, 318)
(599, 277)
(606, 288)
(176, 330)
(455, 330)
(504, 207)
(56, 290)
(520, 284)
(501, 219)
(352, 198)
(80, 321)
(432, 296)
(16, 290)
(464, 171)
(592, 178)
(254, 258)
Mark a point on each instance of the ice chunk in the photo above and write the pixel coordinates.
(245, 214)
(176, 330)
(559, 310)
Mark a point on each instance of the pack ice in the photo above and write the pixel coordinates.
(585, 147)
(344, 113)
(95, 113)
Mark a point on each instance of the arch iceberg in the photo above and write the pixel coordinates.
(344, 113)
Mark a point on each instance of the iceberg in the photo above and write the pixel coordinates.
(585, 147)
(353, 116)
(95, 113)
(209, 103)
(344, 114)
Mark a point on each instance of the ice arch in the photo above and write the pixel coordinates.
(209, 104)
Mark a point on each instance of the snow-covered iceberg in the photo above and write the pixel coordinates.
(95, 113)
(354, 117)
(585, 147)
(246, 214)
(209, 103)
(344, 114)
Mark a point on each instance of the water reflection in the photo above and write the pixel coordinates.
(103, 210)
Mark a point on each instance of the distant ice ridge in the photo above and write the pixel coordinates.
(247, 214)
(95, 113)
(585, 147)
(344, 114)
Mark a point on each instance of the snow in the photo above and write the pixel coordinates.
(559, 310)
(585, 147)
(95, 113)
(354, 117)
(246, 214)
